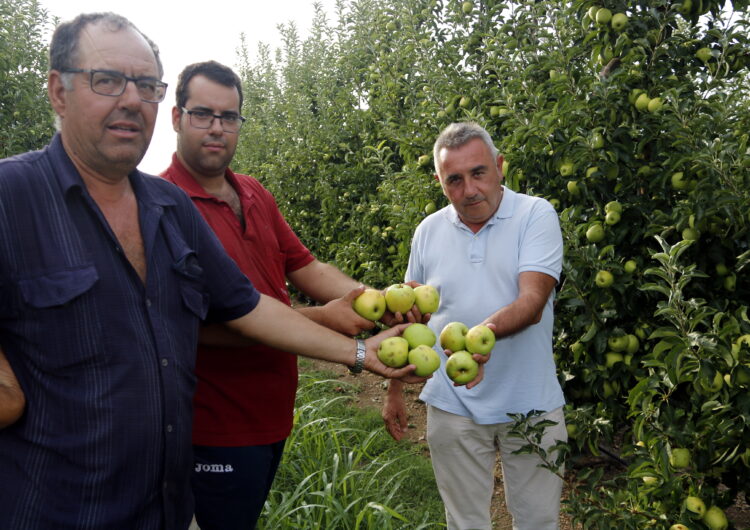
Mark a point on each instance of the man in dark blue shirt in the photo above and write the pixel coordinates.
(105, 276)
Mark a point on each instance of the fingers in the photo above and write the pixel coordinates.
(354, 293)
(478, 379)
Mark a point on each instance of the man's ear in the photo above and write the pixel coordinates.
(56, 92)
(500, 160)
(176, 115)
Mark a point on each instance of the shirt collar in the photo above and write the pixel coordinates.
(69, 178)
(182, 178)
(505, 210)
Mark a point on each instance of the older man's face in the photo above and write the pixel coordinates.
(472, 180)
(105, 134)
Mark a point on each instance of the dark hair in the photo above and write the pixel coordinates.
(63, 49)
(214, 71)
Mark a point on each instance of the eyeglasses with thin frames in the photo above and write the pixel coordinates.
(112, 83)
(203, 119)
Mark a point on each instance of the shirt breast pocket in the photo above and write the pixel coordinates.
(191, 282)
(60, 319)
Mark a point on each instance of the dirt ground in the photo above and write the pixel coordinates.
(371, 395)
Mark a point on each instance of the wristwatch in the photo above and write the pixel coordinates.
(359, 361)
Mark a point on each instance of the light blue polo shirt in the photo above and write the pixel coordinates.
(477, 274)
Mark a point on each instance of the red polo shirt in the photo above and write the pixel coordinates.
(245, 396)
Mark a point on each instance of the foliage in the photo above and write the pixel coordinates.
(341, 470)
(341, 127)
(25, 116)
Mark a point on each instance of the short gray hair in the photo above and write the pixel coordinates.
(64, 47)
(458, 134)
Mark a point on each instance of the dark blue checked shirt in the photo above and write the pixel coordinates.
(106, 363)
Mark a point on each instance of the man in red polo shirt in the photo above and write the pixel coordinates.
(244, 403)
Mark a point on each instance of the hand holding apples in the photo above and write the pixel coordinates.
(465, 365)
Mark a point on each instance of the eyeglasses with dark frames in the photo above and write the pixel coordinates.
(112, 83)
(204, 118)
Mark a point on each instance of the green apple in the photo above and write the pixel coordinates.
(612, 218)
(423, 160)
(603, 16)
(590, 171)
(704, 54)
(604, 279)
(592, 12)
(595, 233)
(715, 385)
(572, 187)
(649, 480)
(642, 101)
(634, 95)
(678, 526)
(417, 334)
(678, 181)
(572, 429)
(597, 140)
(427, 299)
(612, 358)
(453, 336)
(461, 367)
(686, 7)
(555, 203)
(619, 21)
(430, 208)
(715, 518)
(691, 234)
(480, 339)
(394, 352)
(370, 304)
(630, 266)
(611, 389)
(730, 282)
(633, 344)
(679, 458)
(425, 359)
(721, 269)
(618, 343)
(399, 298)
(613, 206)
(467, 7)
(464, 102)
(567, 169)
(655, 105)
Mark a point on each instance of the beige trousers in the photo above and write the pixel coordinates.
(463, 458)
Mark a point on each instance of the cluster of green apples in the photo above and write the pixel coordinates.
(464, 342)
(713, 517)
(398, 298)
(414, 346)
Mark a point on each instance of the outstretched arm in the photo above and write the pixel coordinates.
(279, 326)
(12, 399)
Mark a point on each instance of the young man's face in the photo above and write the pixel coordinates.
(206, 152)
(471, 179)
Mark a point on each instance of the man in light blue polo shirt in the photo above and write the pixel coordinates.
(495, 255)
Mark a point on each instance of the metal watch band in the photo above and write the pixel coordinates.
(359, 361)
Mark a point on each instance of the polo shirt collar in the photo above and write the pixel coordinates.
(504, 211)
(69, 178)
(182, 178)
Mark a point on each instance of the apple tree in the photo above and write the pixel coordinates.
(632, 118)
(25, 116)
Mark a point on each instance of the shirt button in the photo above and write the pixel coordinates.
(165, 362)
(169, 428)
(148, 302)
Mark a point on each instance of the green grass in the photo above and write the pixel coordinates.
(341, 470)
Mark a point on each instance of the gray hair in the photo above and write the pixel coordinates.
(63, 49)
(458, 134)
